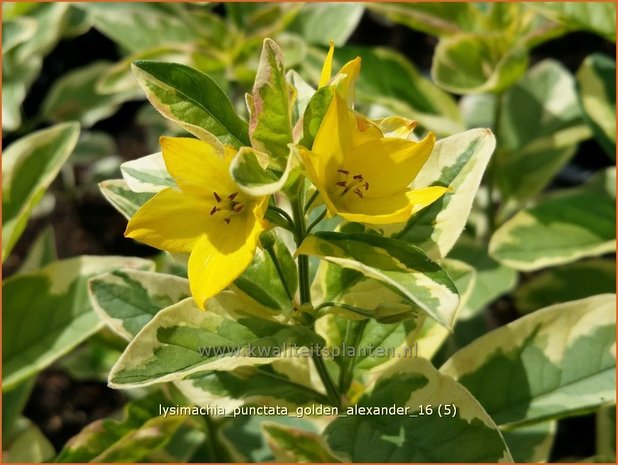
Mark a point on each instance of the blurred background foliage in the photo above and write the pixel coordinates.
(540, 75)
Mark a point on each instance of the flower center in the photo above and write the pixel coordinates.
(228, 206)
(355, 183)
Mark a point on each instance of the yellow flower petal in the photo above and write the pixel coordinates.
(340, 133)
(389, 165)
(391, 209)
(347, 86)
(196, 166)
(220, 256)
(171, 221)
(327, 66)
(396, 126)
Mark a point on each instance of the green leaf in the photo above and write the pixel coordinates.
(244, 438)
(319, 23)
(193, 100)
(29, 165)
(270, 127)
(397, 264)
(569, 282)
(570, 344)
(253, 172)
(42, 251)
(29, 445)
(492, 278)
(74, 97)
(540, 126)
(296, 445)
(141, 435)
(304, 92)
(596, 79)
(147, 174)
(119, 78)
(181, 340)
(606, 432)
(468, 436)
(457, 162)
(13, 403)
(464, 277)
(376, 343)
(597, 17)
(93, 146)
(139, 26)
(55, 303)
(569, 225)
(474, 63)
(439, 19)
(532, 443)
(123, 199)
(78, 22)
(314, 114)
(262, 283)
(16, 31)
(22, 65)
(286, 383)
(126, 300)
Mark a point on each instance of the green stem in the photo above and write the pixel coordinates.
(300, 232)
(316, 221)
(352, 308)
(310, 201)
(215, 452)
(329, 385)
(492, 207)
(297, 386)
(353, 334)
(298, 210)
(283, 214)
(275, 259)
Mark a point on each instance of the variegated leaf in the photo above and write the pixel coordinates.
(126, 300)
(458, 162)
(464, 434)
(552, 363)
(54, 302)
(182, 340)
(397, 264)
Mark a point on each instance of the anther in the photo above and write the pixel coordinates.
(342, 184)
(227, 221)
(358, 177)
(214, 210)
(217, 198)
(238, 207)
(358, 192)
(366, 185)
(232, 196)
(346, 172)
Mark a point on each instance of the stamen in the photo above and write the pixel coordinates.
(358, 177)
(358, 192)
(342, 184)
(346, 172)
(227, 221)
(232, 196)
(217, 198)
(366, 185)
(238, 207)
(214, 210)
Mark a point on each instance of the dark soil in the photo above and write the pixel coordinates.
(61, 407)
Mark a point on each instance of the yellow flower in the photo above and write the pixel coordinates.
(362, 175)
(345, 80)
(207, 216)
